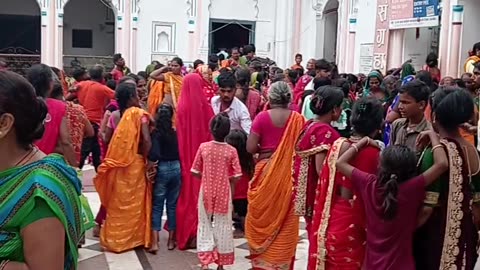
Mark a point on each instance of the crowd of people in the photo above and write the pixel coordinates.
(383, 168)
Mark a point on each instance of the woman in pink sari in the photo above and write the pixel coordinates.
(311, 148)
(193, 118)
(56, 138)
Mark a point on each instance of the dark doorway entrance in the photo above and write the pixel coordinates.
(229, 34)
(22, 32)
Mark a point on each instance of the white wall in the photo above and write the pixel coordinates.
(88, 15)
(366, 20)
(308, 31)
(471, 35)
(20, 7)
(161, 11)
(417, 49)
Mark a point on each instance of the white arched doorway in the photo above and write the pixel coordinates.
(88, 33)
(20, 34)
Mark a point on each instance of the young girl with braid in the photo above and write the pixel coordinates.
(392, 199)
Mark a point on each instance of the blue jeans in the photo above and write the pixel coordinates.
(166, 187)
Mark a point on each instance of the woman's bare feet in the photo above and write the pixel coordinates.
(238, 233)
(171, 245)
(154, 249)
(96, 231)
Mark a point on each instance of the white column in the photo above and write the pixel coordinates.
(455, 41)
(395, 48)
(444, 36)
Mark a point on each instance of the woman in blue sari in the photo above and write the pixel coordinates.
(40, 214)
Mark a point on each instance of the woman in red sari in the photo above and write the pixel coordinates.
(209, 88)
(338, 217)
(193, 118)
(312, 146)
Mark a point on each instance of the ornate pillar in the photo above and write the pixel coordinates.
(395, 49)
(47, 36)
(58, 46)
(350, 59)
(455, 41)
(298, 26)
(134, 31)
(121, 33)
(444, 36)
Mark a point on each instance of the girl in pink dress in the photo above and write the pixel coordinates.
(218, 166)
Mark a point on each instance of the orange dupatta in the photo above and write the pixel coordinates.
(155, 97)
(173, 86)
(123, 188)
(270, 202)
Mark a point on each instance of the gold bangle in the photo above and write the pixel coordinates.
(355, 147)
(436, 147)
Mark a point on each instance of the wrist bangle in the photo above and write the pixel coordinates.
(354, 147)
(436, 147)
(3, 264)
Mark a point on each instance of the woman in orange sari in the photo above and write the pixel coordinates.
(338, 215)
(172, 79)
(271, 227)
(121, 182)
(155, 93)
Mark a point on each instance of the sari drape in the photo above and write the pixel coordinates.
(271, 227)
(155, 96)
(173, 86)
(339, 223)
(193, 117)
(314, 139)
(123, 188)
(209, 87)
(448, 240)
(56, 113)
(469, 65)
(51, 180)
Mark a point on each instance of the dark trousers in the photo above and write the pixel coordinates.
(91, 145)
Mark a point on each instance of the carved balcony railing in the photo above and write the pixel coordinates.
(19, 59)
(70, 62)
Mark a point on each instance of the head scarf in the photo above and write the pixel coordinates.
(205, 72)
(407, 70)
(373, 74)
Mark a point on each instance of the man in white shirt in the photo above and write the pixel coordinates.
(323, 69)
(226, 102)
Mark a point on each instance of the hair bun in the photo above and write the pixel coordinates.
(41, 112)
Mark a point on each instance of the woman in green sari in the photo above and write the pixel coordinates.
(447, 238)
(40, 213)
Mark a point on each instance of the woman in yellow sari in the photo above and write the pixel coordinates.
(172, 79)
(121, 182)
(473, 59)
(271, 227)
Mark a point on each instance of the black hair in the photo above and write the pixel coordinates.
(452, 107)
(476, 47)
(17, 97)
(134, 77)
(352, 78)
(221, 57)
(142, 74)
(293, 75)
(57, 91)
(243, 78)
(159, 66)
(41, 77)
(57, 71)
(325, 99)
(96, 73)
(220, 127)
(398, 164)
(319, 82)
(125, 79)
(163, 120)
(197, 63)
(117, 57)
(367, 116)
(432, 60)
(344, 85)
(238, 139)
(226, 79)
(234, 49)
(417, 89)
(460, 83)
(213, 62)
(249, 49)
(298, 55)
(178, 60)
(323, 64)
(124, 93)
(112, 84)
(78, 73)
